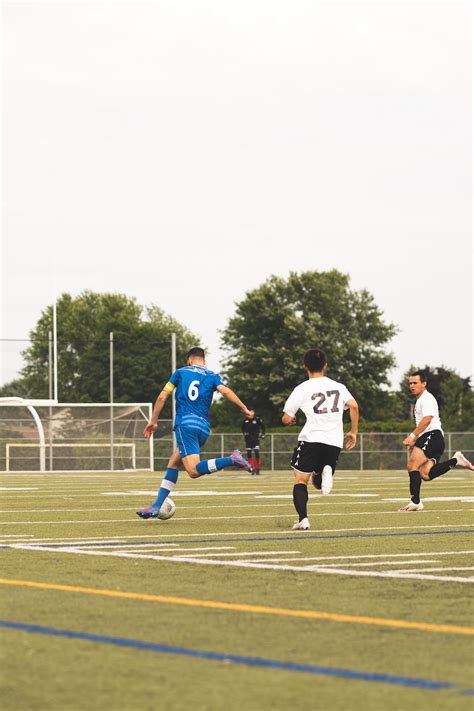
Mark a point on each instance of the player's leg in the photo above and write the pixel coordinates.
(328, 462)
(434, 448)
(302, 468)
(258, 463)
(249, 456)
(416, 460)
(190, 441)
(167, 485)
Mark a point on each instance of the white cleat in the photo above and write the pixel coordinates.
(303, 525)
(463, 461)
(326, 480)
(412, 507)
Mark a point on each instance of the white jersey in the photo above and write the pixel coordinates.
(426, 405)
(323, 401)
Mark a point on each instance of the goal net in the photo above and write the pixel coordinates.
(78, 437)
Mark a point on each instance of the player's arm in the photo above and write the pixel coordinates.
(158, 407)
(421, 426)
(234, 398)
(290, 408)
(351, 437)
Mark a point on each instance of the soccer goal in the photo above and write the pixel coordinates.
(47, 436)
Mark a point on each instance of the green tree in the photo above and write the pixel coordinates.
(142, 360)
(276, 323)
(453, 393)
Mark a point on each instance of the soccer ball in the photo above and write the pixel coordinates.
(167, 510)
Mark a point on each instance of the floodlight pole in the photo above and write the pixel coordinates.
(173, 368)
(111, 376)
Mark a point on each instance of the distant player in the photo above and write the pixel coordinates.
(323, 401)
(426, 442)
(195, 386)
(252, 429)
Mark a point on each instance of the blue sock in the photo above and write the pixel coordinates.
(207, 466)
(169, 480)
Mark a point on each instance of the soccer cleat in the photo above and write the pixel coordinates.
(239, 461)
(149, 512)
(412, 507)
(326, 480)
(303, 525)
(463, 461)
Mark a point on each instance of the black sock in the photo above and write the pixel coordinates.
(442, 468)
(415, 486)
(300, 500)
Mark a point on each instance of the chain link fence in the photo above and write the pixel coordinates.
(81, 437)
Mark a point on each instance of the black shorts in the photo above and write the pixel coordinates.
(432, 444)
(252, 442)
(310, 457)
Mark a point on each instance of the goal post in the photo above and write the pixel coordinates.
(42, 435)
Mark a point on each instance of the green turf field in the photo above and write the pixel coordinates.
(223, 606)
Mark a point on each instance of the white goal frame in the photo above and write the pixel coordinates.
(43, 446)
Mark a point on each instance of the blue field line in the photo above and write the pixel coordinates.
(294, 537)
(350, 674)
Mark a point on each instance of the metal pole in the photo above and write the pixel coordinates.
(361, 452)
(173, 368)
(50, 381)
(111, 378)
(151, 441)
(222, 445)
(272, 452)
(55, 348)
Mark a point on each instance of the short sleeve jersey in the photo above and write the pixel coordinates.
(426, 405)
(323, 401)
(195, 386)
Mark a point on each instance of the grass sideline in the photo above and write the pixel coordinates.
(223, 606)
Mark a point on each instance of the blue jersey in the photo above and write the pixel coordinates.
(195, 387)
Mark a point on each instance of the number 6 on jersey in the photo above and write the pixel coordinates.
(193, 390)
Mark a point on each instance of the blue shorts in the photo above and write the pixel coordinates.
(190, 440)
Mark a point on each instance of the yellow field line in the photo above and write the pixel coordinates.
(243, 607)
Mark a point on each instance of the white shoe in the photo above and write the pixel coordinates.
(326, 480)
(463, 461)
(412, 507)
(301, 525)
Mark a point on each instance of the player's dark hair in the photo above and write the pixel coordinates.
(196, 352)
(314, 360)
(423, 375)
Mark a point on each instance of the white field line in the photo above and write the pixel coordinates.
(182, 507)
(156, 537)
(164, 549)
(373, 564)
(88, 492)
(447, 570)
(241, 554)
(259, 566)
(335, 565)
(72, 493)
(217, 518)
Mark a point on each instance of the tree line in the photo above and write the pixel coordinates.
(264, 343)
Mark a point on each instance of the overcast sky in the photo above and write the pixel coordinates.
(182, 152)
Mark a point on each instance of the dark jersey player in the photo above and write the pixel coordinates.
(252, 429)
(195, 386)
